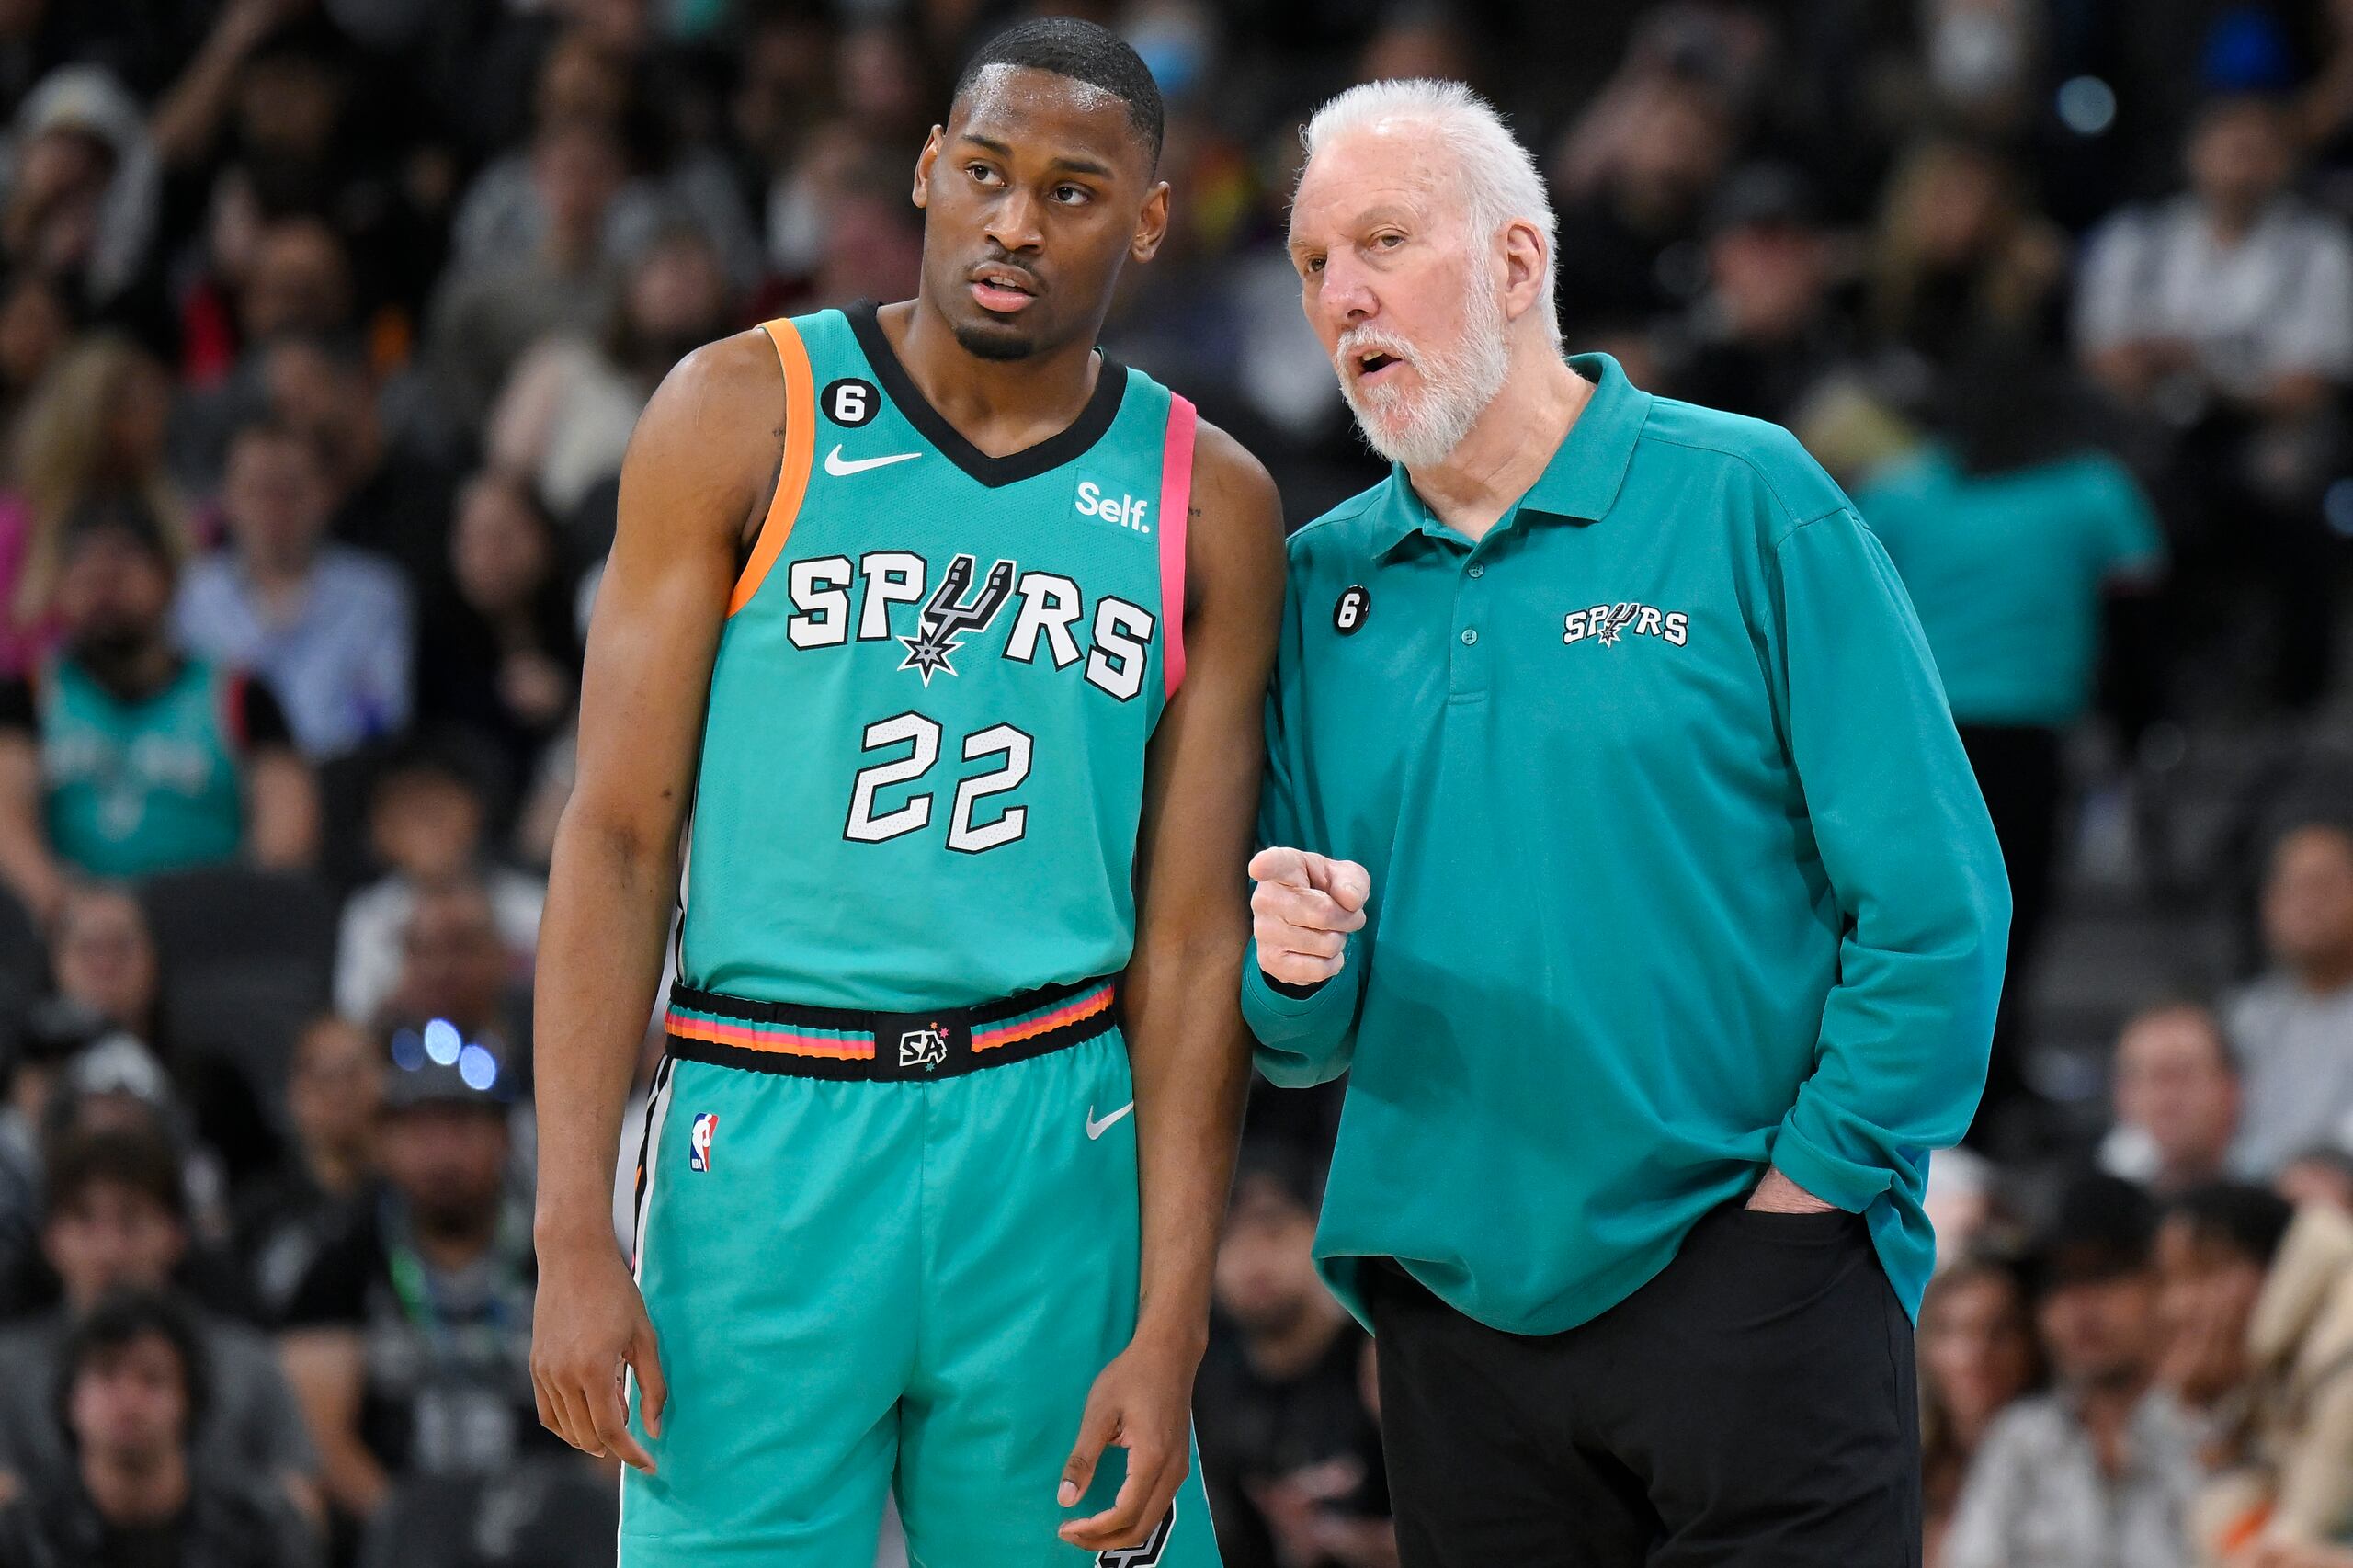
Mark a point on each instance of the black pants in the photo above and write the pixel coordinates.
(2023, 778)
(1753, 1406)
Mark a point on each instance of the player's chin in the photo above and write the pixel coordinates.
(985, 337)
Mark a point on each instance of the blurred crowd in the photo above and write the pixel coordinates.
(324, 324)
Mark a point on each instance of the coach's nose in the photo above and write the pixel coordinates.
(1345, 293)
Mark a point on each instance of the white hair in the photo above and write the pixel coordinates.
(1498, 176)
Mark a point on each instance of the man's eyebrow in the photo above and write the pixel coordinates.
(1388, 212)
(1075, 166)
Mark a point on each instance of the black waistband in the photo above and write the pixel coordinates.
(854, 1044)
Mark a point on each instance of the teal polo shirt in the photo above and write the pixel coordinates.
(1679, 869)
(2007, 572)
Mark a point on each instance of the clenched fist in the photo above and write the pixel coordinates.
(1303, 910)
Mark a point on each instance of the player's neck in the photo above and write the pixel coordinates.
(1002, 406)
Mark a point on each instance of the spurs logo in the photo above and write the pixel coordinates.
(1607, 623)
(948, 617)
(923, 1048)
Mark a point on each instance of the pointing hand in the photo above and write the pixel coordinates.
(1303, 910)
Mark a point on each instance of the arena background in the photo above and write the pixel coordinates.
(342, 310)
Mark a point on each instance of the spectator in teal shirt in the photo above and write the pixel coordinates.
(2010, 530)
(1622, 851)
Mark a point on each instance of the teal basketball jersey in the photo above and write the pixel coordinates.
(145, 786)
(923, 761)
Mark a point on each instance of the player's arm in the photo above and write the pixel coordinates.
(1188, 1051)
(698, 472)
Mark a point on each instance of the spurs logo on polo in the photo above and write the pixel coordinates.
(1607, 624)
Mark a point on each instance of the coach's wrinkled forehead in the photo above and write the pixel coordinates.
(1392, 171)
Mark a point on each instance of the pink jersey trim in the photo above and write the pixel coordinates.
(1175, 502)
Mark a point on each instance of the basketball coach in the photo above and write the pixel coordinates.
(1622, 849)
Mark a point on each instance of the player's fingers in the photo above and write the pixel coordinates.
(1096, 1430)
(1279, 865)
(653, 1389)
(610, 1413)
(572, 1423)
(1128, 1520)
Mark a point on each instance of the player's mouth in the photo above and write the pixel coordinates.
(1003, 290)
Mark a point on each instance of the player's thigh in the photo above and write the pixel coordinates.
(772, 1243)
(1031, 1246)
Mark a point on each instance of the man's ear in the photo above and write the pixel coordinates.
(1524, 257)
(923, 161)
(1152, 224)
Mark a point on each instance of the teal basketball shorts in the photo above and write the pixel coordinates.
(886, 1253)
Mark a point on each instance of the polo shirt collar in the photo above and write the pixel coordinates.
(1582, 480)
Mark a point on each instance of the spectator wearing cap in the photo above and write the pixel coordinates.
(124, 757)
(2266, 1326)
(2012, 526)
(117, 1220)
(334, 1087)
(83, 193)
(328, 625)
(134, 1391)
(427, 826)
(2293, 1026)
(2176, 1091)
(1764, 334)
(409, 1339)
(455, 968)
(2100, 1469)
(1289, 1456)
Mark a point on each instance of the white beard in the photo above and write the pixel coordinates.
(1422, 429)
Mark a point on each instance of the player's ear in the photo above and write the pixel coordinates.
(924, 162)
(1152, 224)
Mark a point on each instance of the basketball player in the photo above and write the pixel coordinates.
(946, 657)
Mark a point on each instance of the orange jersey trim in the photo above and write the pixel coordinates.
(792, 474)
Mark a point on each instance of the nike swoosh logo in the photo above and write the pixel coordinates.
(1096, 1128)
(841, 467)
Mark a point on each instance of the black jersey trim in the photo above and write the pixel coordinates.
(1071, 443)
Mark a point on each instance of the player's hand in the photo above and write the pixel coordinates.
(1143, 1403)
(1302, 912)
(588, 1329)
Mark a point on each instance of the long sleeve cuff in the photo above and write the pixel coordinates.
(1303, 1038)
(1801, 1152)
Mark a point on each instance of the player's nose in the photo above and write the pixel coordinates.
(1013, 222)
(1345, 294)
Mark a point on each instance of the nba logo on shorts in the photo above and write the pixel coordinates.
(699, 1139)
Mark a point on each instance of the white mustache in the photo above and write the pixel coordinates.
(1358, 341)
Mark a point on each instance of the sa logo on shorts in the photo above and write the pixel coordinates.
(698, 1137)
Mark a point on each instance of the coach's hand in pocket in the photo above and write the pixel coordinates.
(1302, 910)
(588, 1331)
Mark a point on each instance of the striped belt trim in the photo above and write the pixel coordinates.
(852, 1044)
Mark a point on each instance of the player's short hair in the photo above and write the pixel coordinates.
(1084, 52)
(1498, 178)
